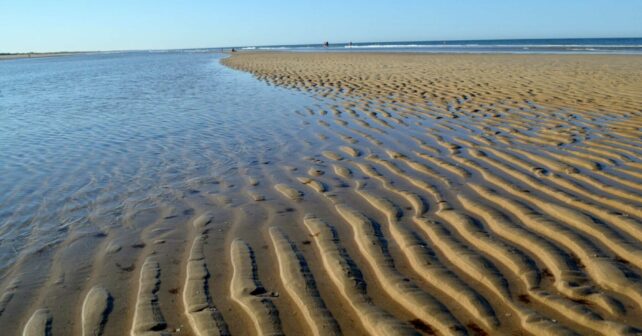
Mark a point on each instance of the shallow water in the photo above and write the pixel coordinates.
(448, 194)
(83, 137)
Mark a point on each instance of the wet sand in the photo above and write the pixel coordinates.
(421, 194)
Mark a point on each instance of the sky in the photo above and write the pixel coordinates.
(86, 25)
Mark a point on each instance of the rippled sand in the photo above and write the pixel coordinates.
(434, 194)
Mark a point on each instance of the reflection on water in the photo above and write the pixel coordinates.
(84, 137)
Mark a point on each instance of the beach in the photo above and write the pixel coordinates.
(35, 55)
(326, 194)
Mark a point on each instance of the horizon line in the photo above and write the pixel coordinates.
(308, 44)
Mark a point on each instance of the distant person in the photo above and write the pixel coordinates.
(350, 45)
(233, 50)
(326, 44)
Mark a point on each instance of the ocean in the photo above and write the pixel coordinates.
(518, 46)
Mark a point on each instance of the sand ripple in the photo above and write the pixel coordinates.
(411, 194)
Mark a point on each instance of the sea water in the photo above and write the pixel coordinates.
(82, 138)
(519, 46)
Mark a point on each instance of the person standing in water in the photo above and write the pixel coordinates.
(326, 44)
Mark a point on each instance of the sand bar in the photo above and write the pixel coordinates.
(422, 194)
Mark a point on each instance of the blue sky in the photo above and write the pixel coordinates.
(48, 25)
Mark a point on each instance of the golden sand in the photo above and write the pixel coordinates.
(495, 193)
(434, 194)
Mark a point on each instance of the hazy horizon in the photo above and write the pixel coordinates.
(317, 43)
